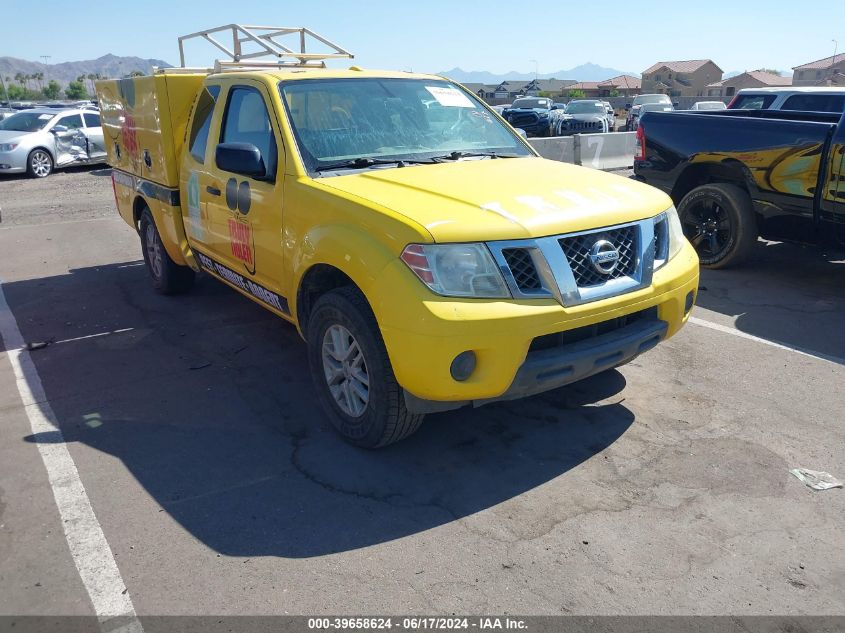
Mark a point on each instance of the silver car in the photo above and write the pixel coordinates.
(39, 140)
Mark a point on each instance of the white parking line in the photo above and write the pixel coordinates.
(88, 546)
(790, 348)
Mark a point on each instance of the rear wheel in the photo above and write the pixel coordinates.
(168, 277)
(719, 221)
(352, 373)
(39, 164)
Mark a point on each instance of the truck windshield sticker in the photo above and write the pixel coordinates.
(194, 213)
(239, 281)
(450, 97)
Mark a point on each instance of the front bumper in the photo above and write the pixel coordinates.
(13, 162)
(424, 333)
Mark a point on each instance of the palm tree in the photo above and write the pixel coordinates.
(39, 77)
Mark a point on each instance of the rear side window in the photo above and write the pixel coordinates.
(815, 103)
(247, 121)
(202, 122)
(753, 102)
(71, 121)
(91, 119)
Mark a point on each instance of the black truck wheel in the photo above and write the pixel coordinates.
(169, 278)
(352, 373)
(719, 221)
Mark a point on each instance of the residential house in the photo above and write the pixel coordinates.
(590, 89)
(552, 87)
(688, 78)
(751, 79)
(621, 86)
(829, 71)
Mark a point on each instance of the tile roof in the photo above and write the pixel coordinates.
(622, 81)
(767, 79)
(687, 66)
(822, 63)
(585, 85)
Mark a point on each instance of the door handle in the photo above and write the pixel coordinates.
(214, 191)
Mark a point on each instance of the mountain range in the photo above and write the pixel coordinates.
(106, 66)
(584, 72)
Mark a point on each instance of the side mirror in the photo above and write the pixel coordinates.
(627, 106)
(58, 129)
(240, 158)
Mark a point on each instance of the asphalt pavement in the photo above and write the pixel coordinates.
(220, 489)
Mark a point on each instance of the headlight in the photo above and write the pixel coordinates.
(456, 270)
(668, 235)
(7, 147)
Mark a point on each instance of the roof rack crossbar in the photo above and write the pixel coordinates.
(264, 37)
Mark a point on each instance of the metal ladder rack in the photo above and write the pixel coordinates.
(266, 39)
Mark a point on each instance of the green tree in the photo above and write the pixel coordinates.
(52, 90)
(16, 93)
(770, 70)
(39, 78)
(76, 90)
(614, 93)
(577, 93)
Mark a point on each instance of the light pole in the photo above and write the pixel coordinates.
(833, 59)
(536, 68)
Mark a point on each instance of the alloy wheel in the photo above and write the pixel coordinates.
(345, 370)
(707, 226)
(41, 163)
(154, 255)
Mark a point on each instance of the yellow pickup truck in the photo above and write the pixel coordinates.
(429, 258)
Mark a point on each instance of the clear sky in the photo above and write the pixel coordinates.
(435, 35)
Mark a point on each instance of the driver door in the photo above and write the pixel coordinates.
(245, 213)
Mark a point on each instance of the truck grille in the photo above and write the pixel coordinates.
(577, 250)
(522, 268)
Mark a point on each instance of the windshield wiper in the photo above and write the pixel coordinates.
(364, 161)
(461, 154)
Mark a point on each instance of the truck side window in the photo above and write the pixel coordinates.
(202, 122)
(815, 103)
(247, 121)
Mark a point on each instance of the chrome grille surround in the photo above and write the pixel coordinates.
(559, 277)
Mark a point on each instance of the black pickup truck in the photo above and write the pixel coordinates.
(737, 174)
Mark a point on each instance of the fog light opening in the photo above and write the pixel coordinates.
(463, 365)
(690, 302)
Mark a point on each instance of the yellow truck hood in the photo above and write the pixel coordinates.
(512, 198)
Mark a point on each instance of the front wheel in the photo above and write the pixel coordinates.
(719, 221)
(352, 372)
(39, 164)
(169, 278)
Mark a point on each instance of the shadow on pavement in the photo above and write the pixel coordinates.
(208, 403)
(787, 293)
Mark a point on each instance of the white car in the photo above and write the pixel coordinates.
(805, 98)
(39, 140)
(708, 105)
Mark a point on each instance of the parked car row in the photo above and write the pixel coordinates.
(540, 116)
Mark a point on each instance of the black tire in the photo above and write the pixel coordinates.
(719, 221)
(383, 418)
(169, 278)
(39, 163)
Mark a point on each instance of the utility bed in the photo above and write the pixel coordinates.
(144, 120)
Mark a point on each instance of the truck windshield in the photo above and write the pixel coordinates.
(532, 104)
(651, 99)
(390, 119)
(26, 121)
(585, 107)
